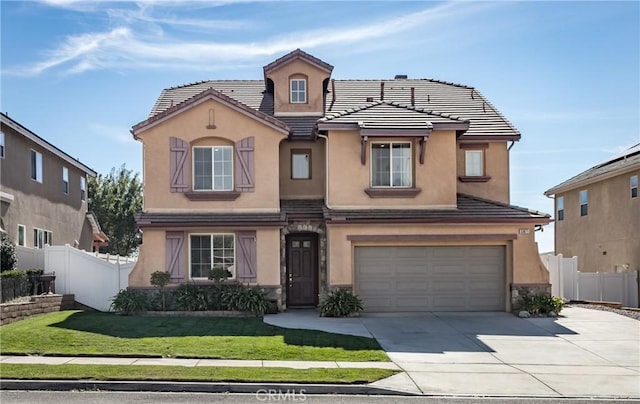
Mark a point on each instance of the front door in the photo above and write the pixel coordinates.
(302, 270)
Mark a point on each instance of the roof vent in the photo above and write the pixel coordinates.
(369, 99)
(401, 77)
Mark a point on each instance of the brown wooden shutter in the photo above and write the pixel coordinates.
(175, 255)
(179, 163)
(246, 270)
(244, 171)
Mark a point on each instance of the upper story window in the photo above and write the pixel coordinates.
(584, 203)
(1, 144)
(36, 166)
(633, 181)
(300, 164)
(474, 163)
(21, 238)
(560, 208)
(213, 168)
(83, 188)
(41, 238)
(65, 180)
(391, 164)
(298, 91)
(208, 251)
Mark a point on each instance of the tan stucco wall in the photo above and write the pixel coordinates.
(436, 177)
(612, 226)
(152, 255)
(191, 126)
(496, 166)
(315, 96)
(298, 188)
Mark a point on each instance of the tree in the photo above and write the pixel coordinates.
(8, 257)
(115, 199)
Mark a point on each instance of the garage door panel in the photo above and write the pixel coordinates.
(461, 278)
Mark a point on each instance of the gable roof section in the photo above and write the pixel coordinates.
(297, 54)
(619, 164)
(391, 115)
(206, 95)
(6, 120)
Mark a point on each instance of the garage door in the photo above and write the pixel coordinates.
(470, 278)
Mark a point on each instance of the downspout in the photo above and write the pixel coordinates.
(326, 168)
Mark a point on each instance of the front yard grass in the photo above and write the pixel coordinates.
(86, 333)
(184, 374)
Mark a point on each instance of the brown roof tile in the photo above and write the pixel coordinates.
(295, 55)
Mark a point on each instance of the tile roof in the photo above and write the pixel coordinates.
(623, 162)
(302, 208)
(297, 54)
(146, 219)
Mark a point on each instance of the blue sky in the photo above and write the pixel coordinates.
(566, 74)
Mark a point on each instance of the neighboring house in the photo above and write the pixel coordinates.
(397, 189)
(598, 215)
(43, 192)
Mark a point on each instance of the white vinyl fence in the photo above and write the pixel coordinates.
(93, 281)
(29, 258)
(568, 282)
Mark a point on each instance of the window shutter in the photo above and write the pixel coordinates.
(175, 261)
(179, 163)
(244, 175)
(246, 257)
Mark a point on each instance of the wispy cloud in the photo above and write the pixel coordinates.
(119, 134)
(131, 45)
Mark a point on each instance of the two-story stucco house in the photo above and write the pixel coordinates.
(43, 192)
(598, 215)
(397, 189)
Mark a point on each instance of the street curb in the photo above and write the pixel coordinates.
(198, 387)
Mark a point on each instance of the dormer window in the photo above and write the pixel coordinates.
(298, 91)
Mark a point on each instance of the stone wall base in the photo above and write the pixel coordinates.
(12, 312)
(519, 290)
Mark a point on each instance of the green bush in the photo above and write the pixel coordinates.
(541, 303)
(160, 279)
(218, 274)
(192, 298)
(14, 283)
(129, 301)
(248, 299)
(8, 258)
(340, 303)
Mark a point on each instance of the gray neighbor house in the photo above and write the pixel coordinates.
(43, 192)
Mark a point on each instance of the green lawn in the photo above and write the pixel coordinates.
(180, 373)
(80, 333)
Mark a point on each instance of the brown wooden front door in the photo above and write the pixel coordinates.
(302, 270)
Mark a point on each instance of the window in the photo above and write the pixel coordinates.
(560, 207)
(298, 91)
(65, 180)
(211, 250)
(584, 203)
(1, 144)
(213, 168)
(21, 235)
(42, 238)
(300, 164)
(634, 186)
(391, 164)
(474, 166)
(36, 166)
(83, 188)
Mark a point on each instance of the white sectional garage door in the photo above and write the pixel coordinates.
(469, 278)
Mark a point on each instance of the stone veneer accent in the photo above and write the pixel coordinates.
(307, 226)
(526, 289)
(12, 312)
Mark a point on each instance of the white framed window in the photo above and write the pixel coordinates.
(633, 182)
(41, 238)
(584, 203)
(298, 91)
(83, 188)
(301, 164)
(36, 166)
(560, 208)
(1, 144)
(391, 164)
(474, 163)
(213, 168)
(207, 251)
(21, 236)
(65, 180)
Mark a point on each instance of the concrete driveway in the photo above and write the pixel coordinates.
(584, 353)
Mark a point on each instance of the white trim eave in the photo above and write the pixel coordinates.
(314, 114)
(588, 181)
(5, 197)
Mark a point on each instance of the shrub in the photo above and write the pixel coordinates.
(218, 274)
(541, 303)
(340, 303)
(248, 299)
(129, 301)
(8, 258)
(160, 279)
(192, 298)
